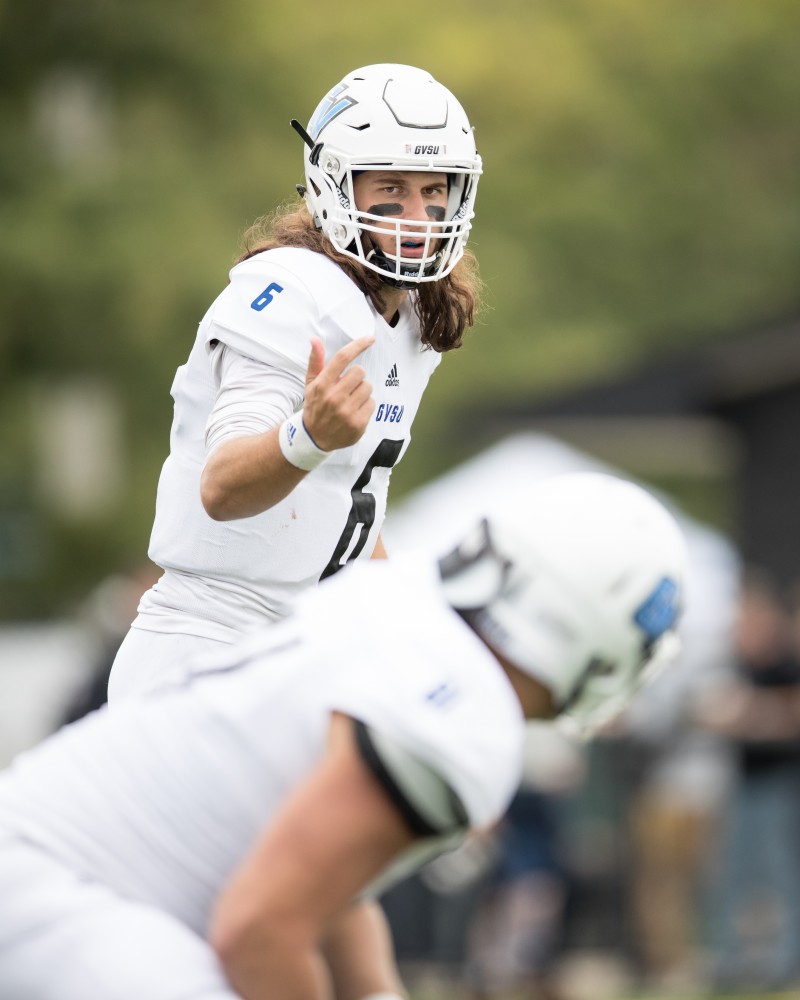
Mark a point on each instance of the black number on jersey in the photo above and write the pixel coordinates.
(362, 511)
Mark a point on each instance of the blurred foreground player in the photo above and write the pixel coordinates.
(197, 843)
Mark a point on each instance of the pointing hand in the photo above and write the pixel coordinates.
(338, 403)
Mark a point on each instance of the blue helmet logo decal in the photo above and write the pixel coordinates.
(659, 611)
(330, 107)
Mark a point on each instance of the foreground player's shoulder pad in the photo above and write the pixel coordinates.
(428, 804)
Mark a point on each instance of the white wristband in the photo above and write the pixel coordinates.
(298, 446)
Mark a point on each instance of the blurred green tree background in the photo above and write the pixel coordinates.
(641, 190)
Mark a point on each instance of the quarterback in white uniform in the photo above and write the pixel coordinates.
(197, 843)
(227, 577)
(298, 397)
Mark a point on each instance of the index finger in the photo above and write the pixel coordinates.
(345, 355)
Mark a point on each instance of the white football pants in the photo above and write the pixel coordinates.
(62, 938)
(145, 660)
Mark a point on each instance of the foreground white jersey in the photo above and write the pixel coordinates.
(160, 798)
(225, 577)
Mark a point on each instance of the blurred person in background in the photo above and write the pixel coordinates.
(306, 374)
(487, 920)
(674, 778)
(755, 929)
(643, 835)
(203, 842)
(105, 614)
(517, 930)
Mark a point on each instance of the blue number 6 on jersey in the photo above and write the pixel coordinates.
(265, 297)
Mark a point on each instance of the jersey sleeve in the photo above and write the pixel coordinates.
(442, 733)
(266, 313)
(278, 300)
(457, 768)
(252, 397)
(446, 769)
(426, 801)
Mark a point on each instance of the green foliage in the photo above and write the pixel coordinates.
(640, 190)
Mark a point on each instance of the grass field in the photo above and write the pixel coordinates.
(602, 995)
(589, 982)
(791, 995)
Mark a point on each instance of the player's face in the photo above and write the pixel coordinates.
(405, 196)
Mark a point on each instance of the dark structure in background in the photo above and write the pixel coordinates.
(727, 407)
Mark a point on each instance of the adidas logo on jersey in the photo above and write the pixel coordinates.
(392, 378)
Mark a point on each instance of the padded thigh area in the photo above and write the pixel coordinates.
(63, 938)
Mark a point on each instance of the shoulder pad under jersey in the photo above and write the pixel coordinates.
(427, 802)
(277, 300)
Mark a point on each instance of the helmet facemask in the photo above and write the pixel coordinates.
(606, 687)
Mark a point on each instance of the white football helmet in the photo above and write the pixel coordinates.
(577, 581)
(391, 116)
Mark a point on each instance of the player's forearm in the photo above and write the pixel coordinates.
(277, 973)
(246, 476)
(360, 955)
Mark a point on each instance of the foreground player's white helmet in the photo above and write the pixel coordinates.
(579, 583)
(395, 117)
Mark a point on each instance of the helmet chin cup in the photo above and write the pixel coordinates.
(399, 272)
(390, 117)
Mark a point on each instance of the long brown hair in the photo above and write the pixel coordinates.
(445, 308)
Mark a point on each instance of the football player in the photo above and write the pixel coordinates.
(299, 394)
(200, 843)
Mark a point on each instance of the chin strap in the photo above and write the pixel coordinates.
(378, 257)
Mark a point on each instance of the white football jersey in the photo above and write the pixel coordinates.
(224, 578)
(161, 798)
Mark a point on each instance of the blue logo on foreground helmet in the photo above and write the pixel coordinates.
(658, 612)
